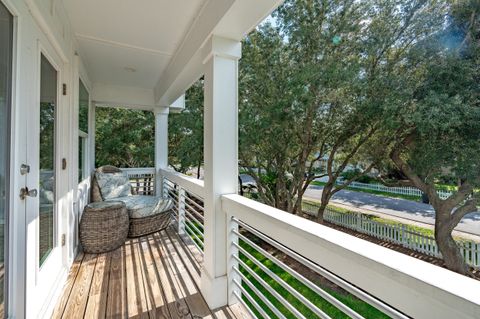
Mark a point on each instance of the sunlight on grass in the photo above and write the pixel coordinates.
(356, 304)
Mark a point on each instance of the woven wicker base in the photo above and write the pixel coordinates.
(147, 225)
(103, 227)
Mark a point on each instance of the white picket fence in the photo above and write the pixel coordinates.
(399, 234)
(412, 191)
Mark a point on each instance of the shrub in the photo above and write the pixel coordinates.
(362, 179)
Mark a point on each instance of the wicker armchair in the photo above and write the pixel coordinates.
(103, 227)
(147, 214)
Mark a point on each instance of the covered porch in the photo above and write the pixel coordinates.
(226, 255)
(153, 79)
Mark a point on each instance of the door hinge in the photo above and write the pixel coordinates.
(64, 89)
(63, 239)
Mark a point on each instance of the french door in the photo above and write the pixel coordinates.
(6, 49)
(44, 254)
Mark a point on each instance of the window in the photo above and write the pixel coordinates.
(47, 183)
(83, 108)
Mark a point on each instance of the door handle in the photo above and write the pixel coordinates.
(24, 192)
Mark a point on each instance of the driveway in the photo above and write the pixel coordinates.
(419, 212)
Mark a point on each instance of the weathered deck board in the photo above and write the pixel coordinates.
(117, 294)
(155, 276)
(60, 308)
(136, 297)
(195, 302)
(77, 302)
(157, 304)
(97, 298)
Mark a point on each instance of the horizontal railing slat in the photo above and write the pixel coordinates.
(192, 185)
(401, 281)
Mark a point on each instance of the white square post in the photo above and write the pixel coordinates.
(220, 58)
(91, 137)
(161, 146)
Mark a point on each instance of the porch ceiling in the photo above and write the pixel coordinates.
(127, 42)
(152, 48)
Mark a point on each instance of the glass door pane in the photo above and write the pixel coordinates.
(83, 103)
(48, 102)
(6, 45)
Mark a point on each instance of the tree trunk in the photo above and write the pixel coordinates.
(448, 247)
(198, 169)
(321, 211)
(297, 207)
(326, 195)
(240, 185)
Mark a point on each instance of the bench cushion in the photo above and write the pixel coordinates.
(139, 206)
(113, 185)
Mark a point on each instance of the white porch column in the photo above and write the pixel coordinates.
(161, 146)
(221, 160)
(91, 136)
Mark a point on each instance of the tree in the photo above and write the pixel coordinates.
(316, 84)
(185, 140)
(124, 138)
(439, 130)
(385, 33)
(267, 120)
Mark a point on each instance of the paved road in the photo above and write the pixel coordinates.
(419, 212)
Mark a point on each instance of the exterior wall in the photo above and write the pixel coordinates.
(42, 26)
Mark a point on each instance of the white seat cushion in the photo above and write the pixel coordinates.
(139, 206)
(113, 185)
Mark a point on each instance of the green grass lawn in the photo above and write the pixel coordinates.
(354, 303)
(375, 192)
(198, 232)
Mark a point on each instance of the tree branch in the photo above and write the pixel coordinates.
(398, 183)
(459, 196)
(351, 180)
(470, 206)
(405, 168)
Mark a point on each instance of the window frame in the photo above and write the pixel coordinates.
(82, 173)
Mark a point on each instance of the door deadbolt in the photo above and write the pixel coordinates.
(24, 169)
(24, 192)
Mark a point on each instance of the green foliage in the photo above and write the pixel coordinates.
(83, 108)
(319, 84)
(185, 140)
(351, 301)
(351, 174)
(47, 135)
(438, 126)
(437, 129)
(124, 138)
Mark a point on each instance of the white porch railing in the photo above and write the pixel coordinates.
(273, 254)
(142, 179)
(188, 213)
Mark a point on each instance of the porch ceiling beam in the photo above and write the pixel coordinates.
(231, 19)
(124, 97)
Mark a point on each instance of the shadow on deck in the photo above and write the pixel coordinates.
(155, 276)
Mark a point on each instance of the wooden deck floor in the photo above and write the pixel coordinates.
(149, 277)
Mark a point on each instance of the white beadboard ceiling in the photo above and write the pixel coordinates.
(130, 42)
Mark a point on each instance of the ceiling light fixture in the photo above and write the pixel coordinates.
(130, 69)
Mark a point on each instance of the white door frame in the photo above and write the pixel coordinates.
(41, 282)
(16, 223)
(26, 297)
